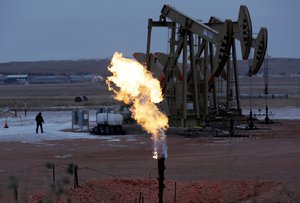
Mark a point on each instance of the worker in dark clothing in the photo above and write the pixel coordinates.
(39, 122)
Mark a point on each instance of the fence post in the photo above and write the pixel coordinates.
(14, 184)
(53, 172)
(140, 197)
(175, 193)
(16, 193)
(76, 177)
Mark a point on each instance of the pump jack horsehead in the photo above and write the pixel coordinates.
(189, 87)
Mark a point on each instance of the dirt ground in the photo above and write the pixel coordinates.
(271, 155)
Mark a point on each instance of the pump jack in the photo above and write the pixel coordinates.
(187, 86)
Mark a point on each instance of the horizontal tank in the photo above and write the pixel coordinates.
(109, 118)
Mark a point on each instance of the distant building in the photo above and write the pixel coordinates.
(17, 79)
(81, 78)
(53, 79)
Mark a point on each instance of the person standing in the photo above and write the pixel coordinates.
(25, 108)
(16, 112)
(39, 122)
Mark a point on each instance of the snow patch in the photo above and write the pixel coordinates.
(22, 129)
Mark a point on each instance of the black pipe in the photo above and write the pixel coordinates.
(251, 122)
(161, 178)
(267, 119)
(231, 129)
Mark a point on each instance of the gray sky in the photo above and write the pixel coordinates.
(33, 30)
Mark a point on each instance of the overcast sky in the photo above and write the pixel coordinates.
(33, 30)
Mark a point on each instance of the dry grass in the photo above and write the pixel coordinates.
(57, 95)
(276, 85)
(51, 95)
(283, 85)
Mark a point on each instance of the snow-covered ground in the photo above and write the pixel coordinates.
(287, 113)
(22, 129)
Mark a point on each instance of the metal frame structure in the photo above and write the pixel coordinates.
(204, 49)
(242, 31)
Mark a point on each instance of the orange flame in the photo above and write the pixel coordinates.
(133, 84)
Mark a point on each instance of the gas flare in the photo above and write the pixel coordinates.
(133, 84)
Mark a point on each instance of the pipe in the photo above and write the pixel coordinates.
(161, 178)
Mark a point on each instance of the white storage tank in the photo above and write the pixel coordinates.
(109, 118)
(115, 119)
(101, 118)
